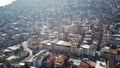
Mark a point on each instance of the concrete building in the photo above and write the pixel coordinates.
(12, 50)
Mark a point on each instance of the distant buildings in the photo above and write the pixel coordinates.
(60, 34)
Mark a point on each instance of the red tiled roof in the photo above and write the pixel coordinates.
(50, 59)
(61, 58)
(85, 63)
(113, 50)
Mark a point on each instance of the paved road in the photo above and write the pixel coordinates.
(25, 47)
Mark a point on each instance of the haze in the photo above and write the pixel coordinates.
(5, 2)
